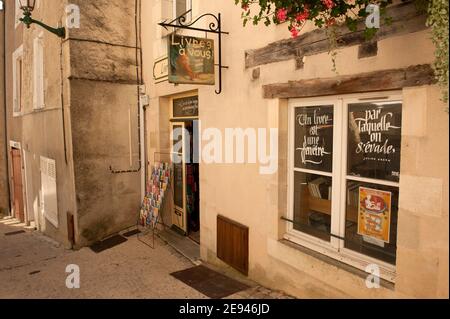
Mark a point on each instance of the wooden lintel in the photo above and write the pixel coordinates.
(384, 80)
(405, 19)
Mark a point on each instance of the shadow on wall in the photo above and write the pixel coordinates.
(3, 212)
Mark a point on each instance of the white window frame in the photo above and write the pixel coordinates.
(38, 72)
(188, 7)
(335, 247)
(17, 91)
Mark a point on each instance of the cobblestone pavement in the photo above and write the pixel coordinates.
(33, 266)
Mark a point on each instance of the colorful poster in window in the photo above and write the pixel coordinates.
(375, 209)
(314, 138)
(374, 140)
(191, 60)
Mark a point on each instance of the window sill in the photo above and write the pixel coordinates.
(336, 259)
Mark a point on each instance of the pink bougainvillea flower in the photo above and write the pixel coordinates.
(302, 16)
(282, 14)
(328, 3)
(245, 7)
(294, 31)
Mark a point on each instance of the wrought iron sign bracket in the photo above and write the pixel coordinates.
(214, 27)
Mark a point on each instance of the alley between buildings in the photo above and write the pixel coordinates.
(33, 266)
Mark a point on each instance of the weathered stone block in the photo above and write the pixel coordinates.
(419, 273)
(102, 62)
(415, 111)
(421, 195)
(109, 21)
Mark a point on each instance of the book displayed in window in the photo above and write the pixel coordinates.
(312, 204)
(314, 138)
(374, 140)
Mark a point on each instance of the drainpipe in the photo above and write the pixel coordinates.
(6, 108)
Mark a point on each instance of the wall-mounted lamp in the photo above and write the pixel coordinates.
(27, 7)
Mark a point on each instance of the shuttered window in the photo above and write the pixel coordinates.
(17, 81)
(38, 73)
(49, 204)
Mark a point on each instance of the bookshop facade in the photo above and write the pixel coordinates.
(361, 185)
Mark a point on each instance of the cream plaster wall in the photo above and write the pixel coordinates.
(40, 132)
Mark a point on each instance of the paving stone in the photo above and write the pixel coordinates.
(33, 266)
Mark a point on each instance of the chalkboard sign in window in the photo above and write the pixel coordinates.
(185, 107)
(374, 140)
(314, 138)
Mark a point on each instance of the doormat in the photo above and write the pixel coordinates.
(209, 282)
(108, 243)
(132, 233)
(15, 233)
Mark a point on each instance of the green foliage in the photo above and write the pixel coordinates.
(438, 21)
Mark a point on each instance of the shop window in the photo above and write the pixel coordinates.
(344, 175)
(18, 81)
(38, 73)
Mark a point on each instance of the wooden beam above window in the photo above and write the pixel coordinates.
(405, 19)
(384, 80)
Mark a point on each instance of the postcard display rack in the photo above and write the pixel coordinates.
(152, 207)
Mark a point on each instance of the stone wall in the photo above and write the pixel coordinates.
(423, 224)
(104, 118)
(89, 122)
(4, 187)
(44, 132)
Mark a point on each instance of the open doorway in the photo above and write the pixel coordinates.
(192, 188)
(186, 183)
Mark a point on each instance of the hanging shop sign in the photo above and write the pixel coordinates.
(185, 107)
(374, 219)
(314, 138)
(375, 140)
(161, 70)
(191, 60)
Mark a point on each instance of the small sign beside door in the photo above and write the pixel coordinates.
(161, 70)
